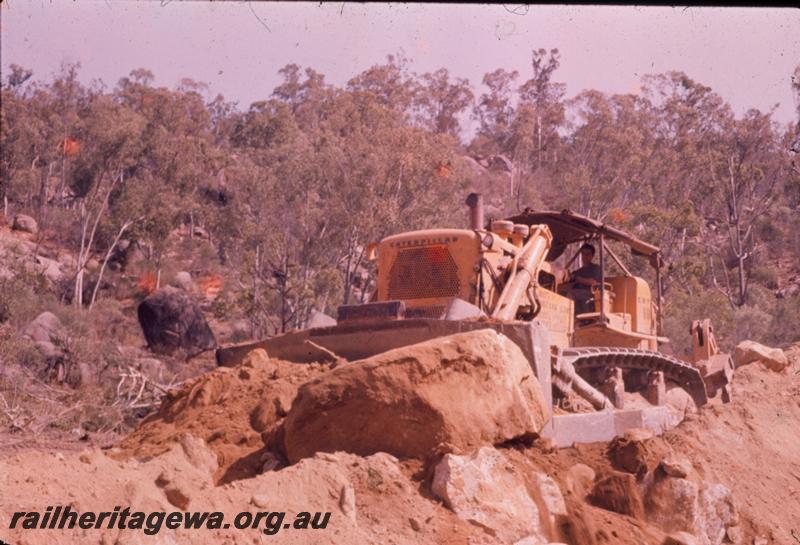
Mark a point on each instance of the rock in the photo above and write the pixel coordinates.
(679, 505)
(529, 540)
(198, 454)
(347, 501)
(634, 452)
(48, 333)
(680, 538)
(151, 367)
(67, 260)
(734, 535)
(547, 445)
(580, 481)
(199, 232)
(483, 489)
(25, 224)
(127, 254)
(260, 500)
(680, 404)
(183, 280)
(415, 524)
(49, 350)
(45, 327)
(749, 351)
(256, 358)
(676, 466)
(717, 512)
(549, 500)
(463, 391)
(177, 496)
(170, 321)
(618, 492)
(50, 268)
(269, 462)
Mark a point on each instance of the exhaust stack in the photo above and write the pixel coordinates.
(475, 203)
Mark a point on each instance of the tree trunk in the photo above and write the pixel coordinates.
(77, 298)
(105, 262)
(256, 273)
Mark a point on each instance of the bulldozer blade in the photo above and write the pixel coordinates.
(370, 312)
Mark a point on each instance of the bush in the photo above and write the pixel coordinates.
(785, 324)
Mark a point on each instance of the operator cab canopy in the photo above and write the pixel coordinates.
(569, 227)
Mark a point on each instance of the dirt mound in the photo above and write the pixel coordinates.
(456, 392)
(371, 500)
(729, 474)
(235, 410)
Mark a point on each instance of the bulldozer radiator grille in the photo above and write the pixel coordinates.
(419, 273)
(434, 311)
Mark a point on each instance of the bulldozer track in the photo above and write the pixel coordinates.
(680, 372)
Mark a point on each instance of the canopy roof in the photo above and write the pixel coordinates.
(569, 227)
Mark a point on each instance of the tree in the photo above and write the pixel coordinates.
(112, 136)
(495, 113)
(605, 156)
(392, 85)
(745, 175)
(442, 101)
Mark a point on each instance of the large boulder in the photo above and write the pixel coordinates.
(183, 280)
(126, 256)
(457, 392)
(484, 489)
(50, 268)
(171, 321)
(25, 224)
(48, 333)
(702, 509)
(751, 351)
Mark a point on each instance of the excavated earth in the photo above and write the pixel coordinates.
(219, 444)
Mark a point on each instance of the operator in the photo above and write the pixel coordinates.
(585, 278)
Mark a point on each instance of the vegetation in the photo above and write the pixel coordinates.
(292, 190)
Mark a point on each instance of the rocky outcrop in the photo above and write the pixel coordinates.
(447, 394)
(677, 504)
(750, 351)
(171, 321)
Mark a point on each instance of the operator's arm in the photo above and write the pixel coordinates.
(586, 281)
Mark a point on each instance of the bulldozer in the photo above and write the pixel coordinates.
(513, 275)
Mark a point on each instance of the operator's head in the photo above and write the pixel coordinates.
(587, 253)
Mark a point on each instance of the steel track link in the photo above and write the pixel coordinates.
(680, 372)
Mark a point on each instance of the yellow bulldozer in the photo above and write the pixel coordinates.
(592, 343)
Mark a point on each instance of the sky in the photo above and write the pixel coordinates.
(747, 55)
